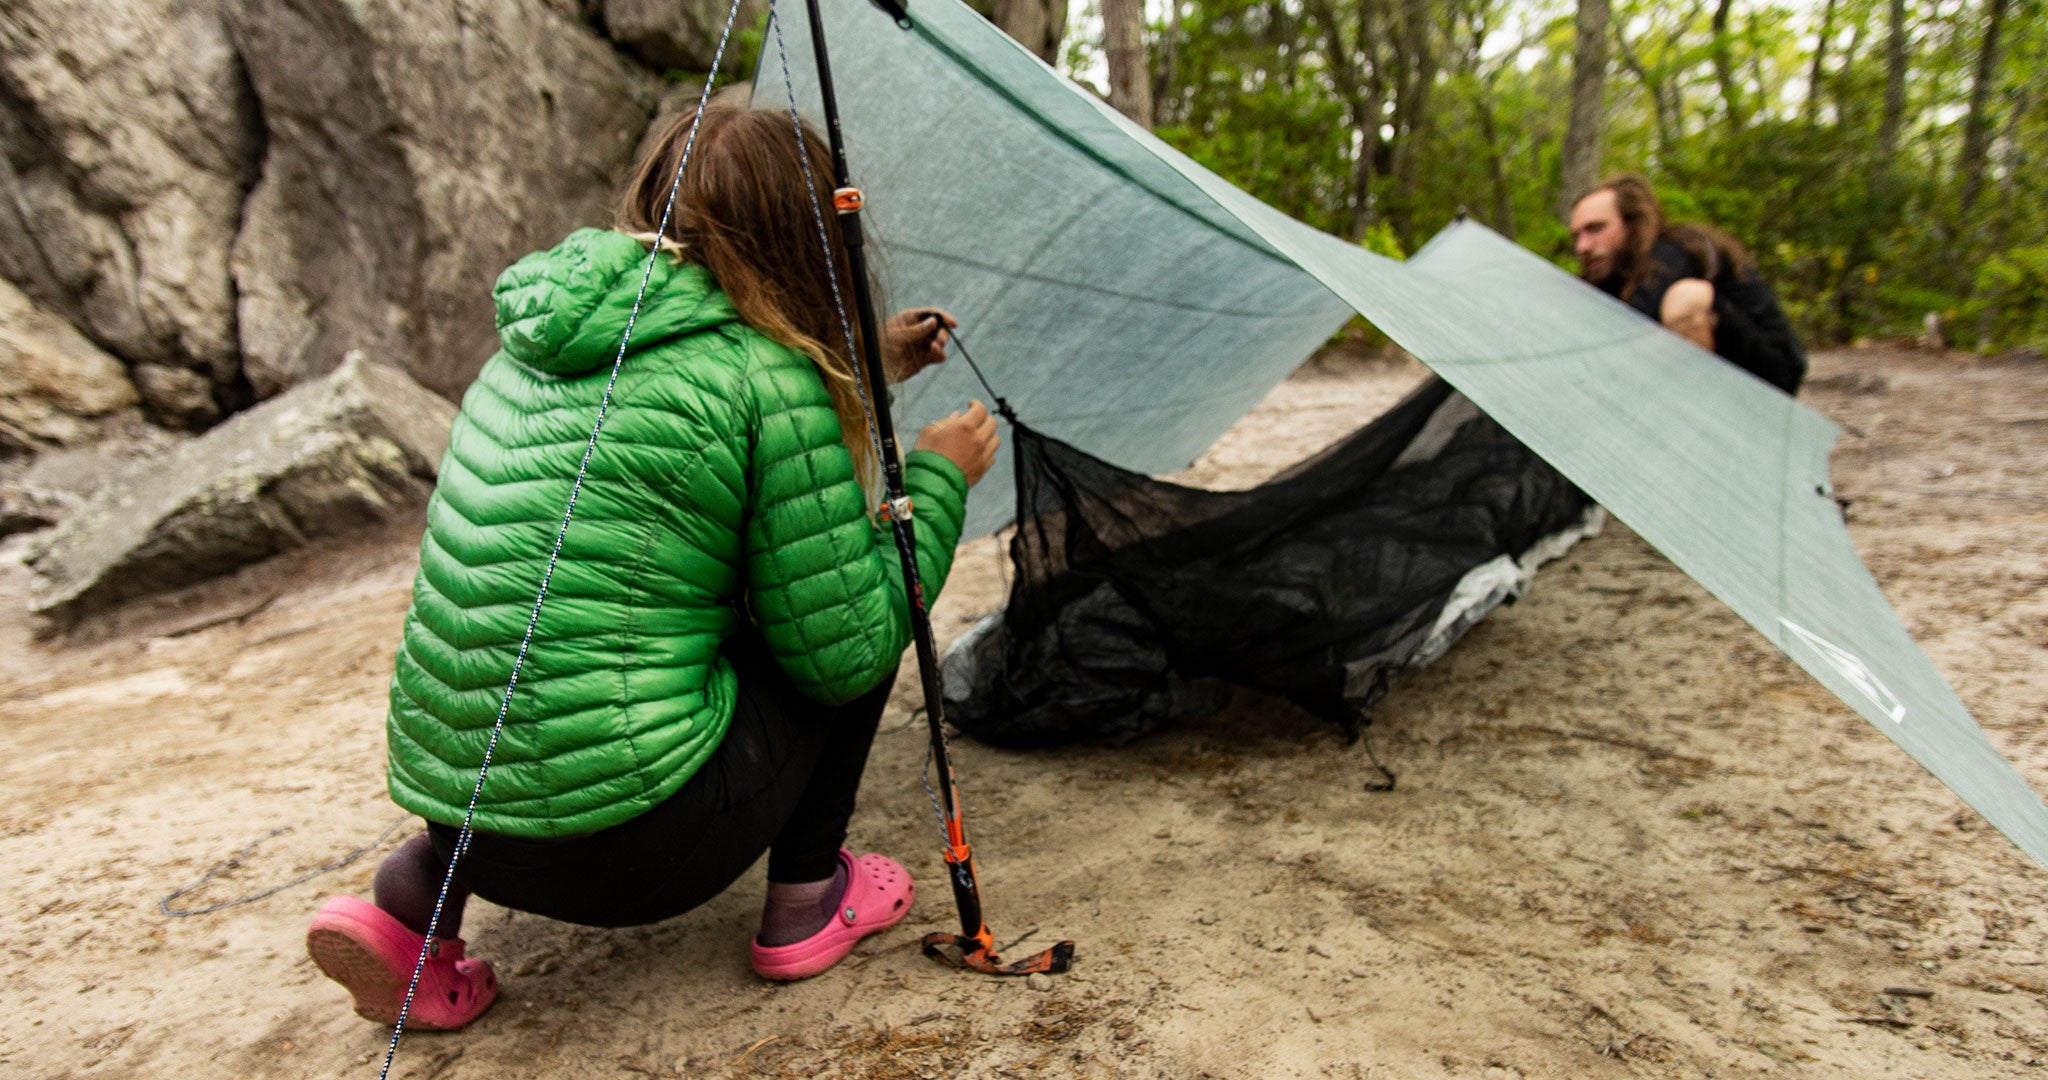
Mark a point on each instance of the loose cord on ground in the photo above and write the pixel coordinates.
(234, 861)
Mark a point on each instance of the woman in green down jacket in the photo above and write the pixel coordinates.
(720, 634)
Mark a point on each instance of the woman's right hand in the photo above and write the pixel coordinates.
(967, 439)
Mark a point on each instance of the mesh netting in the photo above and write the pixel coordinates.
(1136, 600)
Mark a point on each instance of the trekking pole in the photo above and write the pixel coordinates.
(974, 944)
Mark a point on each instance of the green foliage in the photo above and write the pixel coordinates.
(1246, 107)
(1379, 239)
(1857, 243)
(2011, 302)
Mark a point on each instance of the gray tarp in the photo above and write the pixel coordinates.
(1131, 302)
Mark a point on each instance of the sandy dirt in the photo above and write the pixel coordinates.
(1629, 838)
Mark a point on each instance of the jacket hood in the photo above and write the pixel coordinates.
(563, 311)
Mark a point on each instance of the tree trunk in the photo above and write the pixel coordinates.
(1417, 60)
(1502, 219)
(1977, 125)
(1724, 68)
(1884, 189)
(1485, 90)
(1894, 84)
(1582, 133)
(1284, 29)
(1038, 25)
(1849, 105)
(1820, 52)
(1358, 83)
(1665, 112)
(1998, 230)
(1123, 47)
(1165, 81)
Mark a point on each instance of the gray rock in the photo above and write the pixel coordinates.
(677, 98)
(676, 34)
(416, 149)
(53, 382)
(36, 494)
(352, 448)
(26, 509)
(127, 139)
(176, 397)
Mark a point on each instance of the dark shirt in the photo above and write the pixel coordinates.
(1750, 330)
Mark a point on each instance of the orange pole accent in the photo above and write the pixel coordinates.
(849, 200)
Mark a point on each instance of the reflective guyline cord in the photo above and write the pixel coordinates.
(974, 947)
(547, 576)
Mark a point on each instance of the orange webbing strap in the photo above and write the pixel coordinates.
(978, 954)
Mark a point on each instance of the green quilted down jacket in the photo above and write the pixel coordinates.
(720, 492)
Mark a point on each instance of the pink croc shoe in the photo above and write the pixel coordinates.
(364, 948)
(878, 894)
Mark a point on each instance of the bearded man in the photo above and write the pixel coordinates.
(1695, 279)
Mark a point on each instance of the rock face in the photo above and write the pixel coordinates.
(53, 382)
(354, 447)
(128, 137)
(228, 195)
(416, 149)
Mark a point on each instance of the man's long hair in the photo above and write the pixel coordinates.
(745, 213)
(1642, 218)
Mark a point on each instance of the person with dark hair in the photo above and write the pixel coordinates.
(1697, 280)
(723, 626)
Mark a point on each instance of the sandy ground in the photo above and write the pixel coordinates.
(1629, 839)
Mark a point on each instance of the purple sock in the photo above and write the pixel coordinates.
(409, 880)
(796, 911)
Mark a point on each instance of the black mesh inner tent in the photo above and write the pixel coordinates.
(1134, 600)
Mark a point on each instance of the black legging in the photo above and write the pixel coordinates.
(782, 781)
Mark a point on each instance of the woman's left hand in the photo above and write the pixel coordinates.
(915, 338)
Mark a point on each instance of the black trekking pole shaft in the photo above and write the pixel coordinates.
(966, 894)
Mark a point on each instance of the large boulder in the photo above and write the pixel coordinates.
(54, 384)
(128, 137)
(415, 149)
(357, 446)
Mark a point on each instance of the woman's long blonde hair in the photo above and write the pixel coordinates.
(744, 212)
